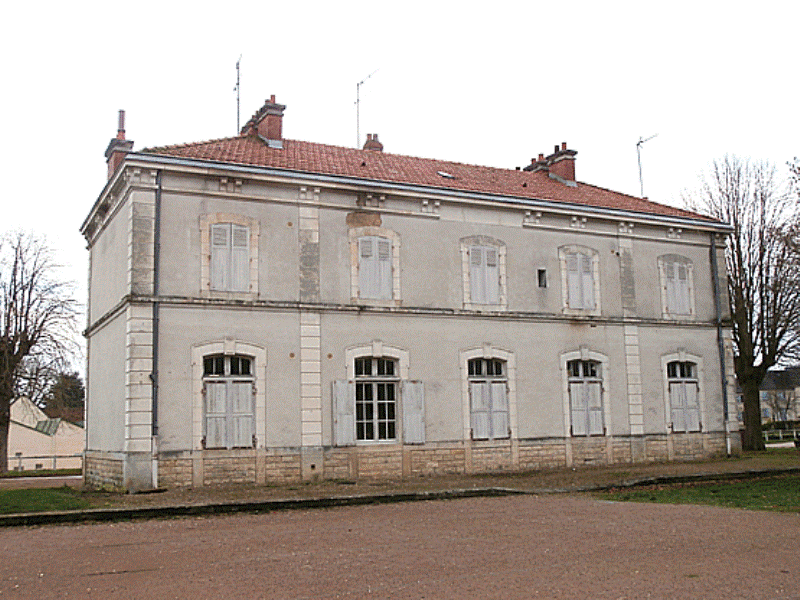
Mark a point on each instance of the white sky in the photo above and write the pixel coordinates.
(495, 85)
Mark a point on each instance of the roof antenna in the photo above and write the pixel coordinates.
(358, 107)
(639, 157)
(236, 89)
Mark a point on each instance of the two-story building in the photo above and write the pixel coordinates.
(263, 309)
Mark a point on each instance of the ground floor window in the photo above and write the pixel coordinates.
(376, 381)
(585, 398)
(229, 402)
(488, 391)
(683, 396)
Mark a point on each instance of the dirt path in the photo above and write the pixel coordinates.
(512, 547)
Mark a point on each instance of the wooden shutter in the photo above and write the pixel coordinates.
(240, 401)
(677, 399)
(573, 281)
(477, 275)
(413, 397)
(368, 271)
(499, 410)
(215, 414)
(577, 400)
(344, 402)
(587, 281)
(240, 259)
(594, 405)
(220, 256)
(682, 290)
(384, 269)
(479, 413)
(492, 276)
(692, 407)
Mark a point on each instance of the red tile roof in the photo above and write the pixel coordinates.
(380, 166)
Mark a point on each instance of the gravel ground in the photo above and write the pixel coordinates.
(550, 546)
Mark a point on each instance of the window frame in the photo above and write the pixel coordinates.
(585, 257)
(392, 286)
(207, 223)
(229, 380)
(681, 356)
(584, 380)
(682, 307)
(487, 351)
(605, 378)
(494, 393)
(484, 244)
(375, 382)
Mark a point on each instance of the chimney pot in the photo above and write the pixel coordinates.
(118, 147)
(556, 149)
(373, 143)
(563, 145)
(121, 125)
(272, 98)
(541, 157)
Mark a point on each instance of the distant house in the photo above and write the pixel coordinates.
(780, 395)
(264, 309)
(36, 441)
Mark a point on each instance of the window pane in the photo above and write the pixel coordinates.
(363, 367)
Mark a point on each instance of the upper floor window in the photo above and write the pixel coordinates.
(375, 265)
(580, 279)
(585, 397)
(488, 391)
(677, 289)
(229, 402)
(484, 262)
(684, 402)
(230, 253)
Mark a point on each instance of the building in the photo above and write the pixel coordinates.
(779, 393)
(264, 309)
(36, 441)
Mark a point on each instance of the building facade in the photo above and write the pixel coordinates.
(263, 309)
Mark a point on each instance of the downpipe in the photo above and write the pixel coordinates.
(720, 341)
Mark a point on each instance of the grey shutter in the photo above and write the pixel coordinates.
(587, 281)
(499, 410)
(594, 403)
(577, 400)
(677, 399)
(240, 400)
(220, 256)
(413, 397)
(384, 269)
(477, 275)
(682, 290)
(479, 413)
(344, 403)
(492, 276)
(692, 407)
(240, 259)
(215, 417)
(368, 284)
(573, 281)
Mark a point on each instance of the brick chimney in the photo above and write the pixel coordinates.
(267, 122)
(372, 143)
(560, 164)
(118, 147)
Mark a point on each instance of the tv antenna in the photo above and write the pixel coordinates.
(358, 107)
(639, 157)
(237, 89)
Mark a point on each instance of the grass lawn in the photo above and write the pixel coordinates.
(775, 493)
(42, 473)
(42, 499)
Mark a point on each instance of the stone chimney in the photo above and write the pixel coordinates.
(560, 164)
(118, 147)
(267, 123)
(372, 143)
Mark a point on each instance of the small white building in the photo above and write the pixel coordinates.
(36, 441)
(264, 309)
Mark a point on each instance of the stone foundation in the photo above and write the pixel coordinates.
(393, 461)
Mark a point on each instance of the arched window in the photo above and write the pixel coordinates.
(488, 392)
(229, 402)
(585, 397)
(683, 396)
(376, 383)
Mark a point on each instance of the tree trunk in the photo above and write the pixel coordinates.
(753, 438)
(5, 419)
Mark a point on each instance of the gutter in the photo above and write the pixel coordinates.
(720, 341)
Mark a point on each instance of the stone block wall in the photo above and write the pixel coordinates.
(102, 471)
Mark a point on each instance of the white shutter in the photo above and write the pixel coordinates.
(344, 403)
(573, 281)
(240, 400)
(492, 277)
(499, 410)
(587, 281)
(240, 259)
(477, 275)
(479, 414)
(594, 403)
(677, 399)
(220, 256)
(215, 414)
(578, 408)
(384, 269)
(682, 290)
(413, 397)
(692, 407)
(368, 272)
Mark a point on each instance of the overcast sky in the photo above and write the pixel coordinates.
(493, 85)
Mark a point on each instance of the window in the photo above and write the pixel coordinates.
(677, 290)
(488, 391)
(229, 245)
(376, 399)
(580, 284)
(585, 398)
(229, 403)
(542, 275)
(375, 268)
(484, 269)
(683, 396)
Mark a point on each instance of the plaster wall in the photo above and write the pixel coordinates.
(109, 264)
(105, 390)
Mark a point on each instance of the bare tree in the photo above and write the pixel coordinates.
(38, 316)
(782, 404)
(763, 273)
